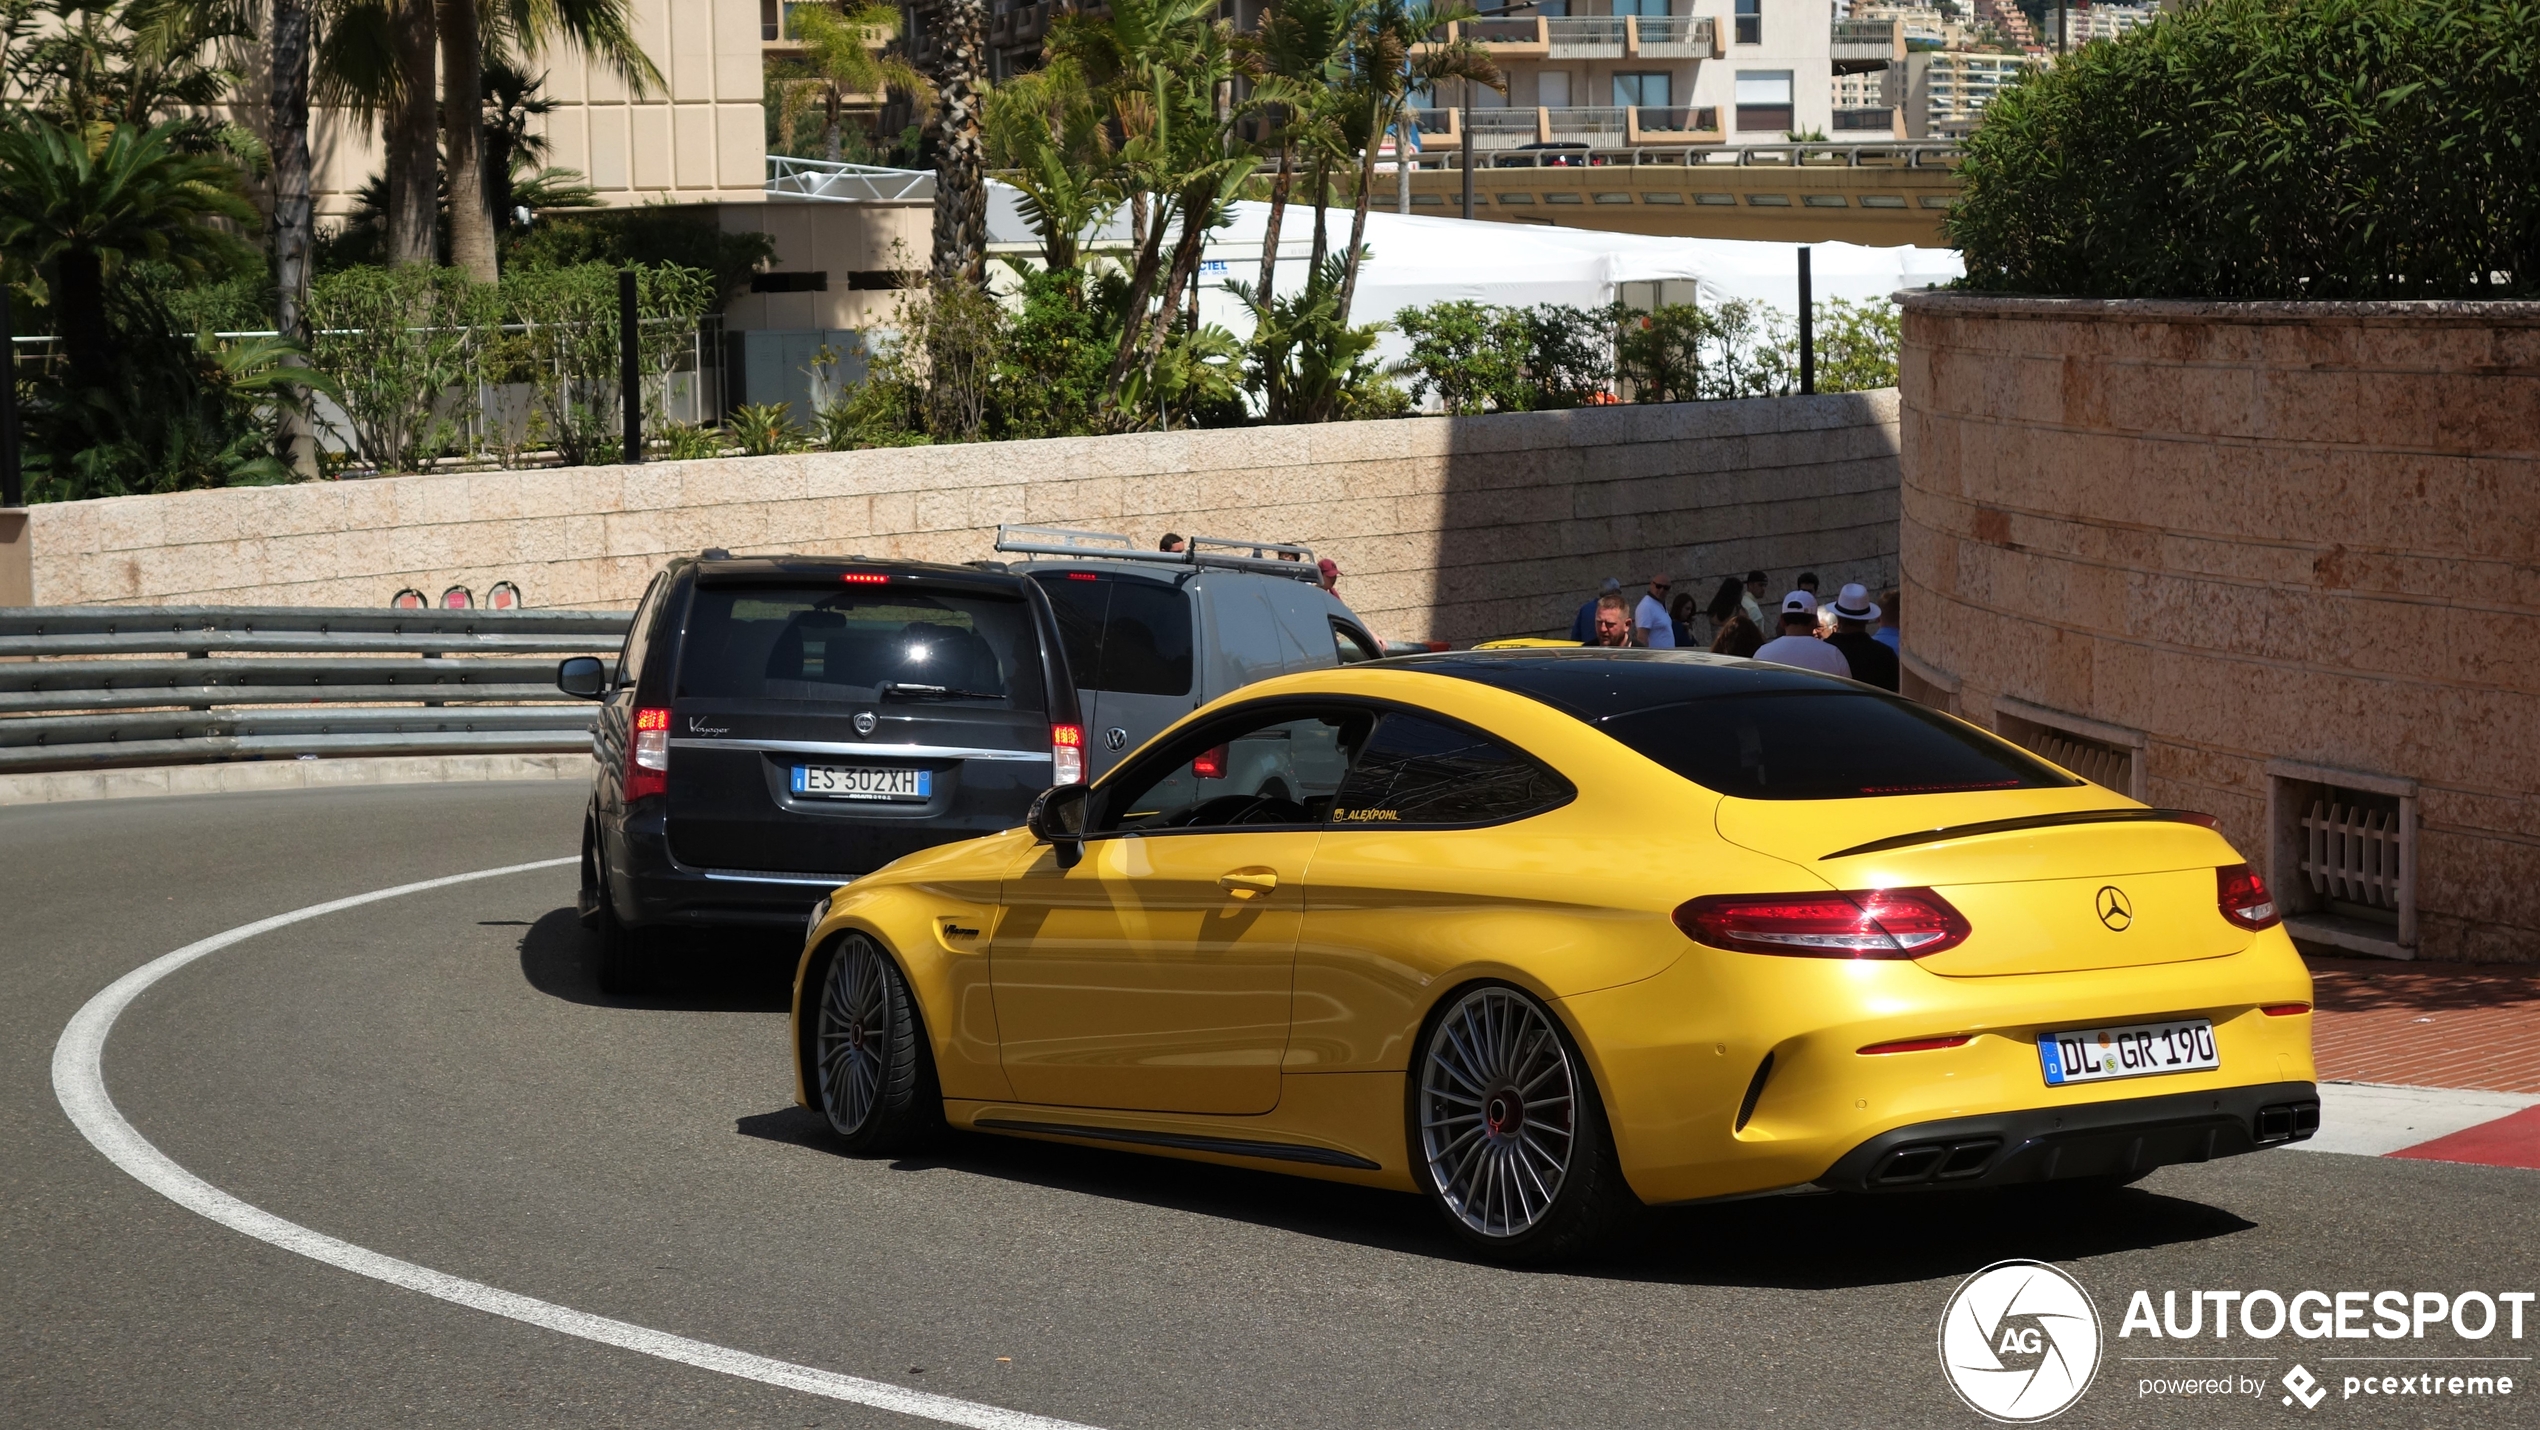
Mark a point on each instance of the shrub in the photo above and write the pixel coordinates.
(2250, 149)
(396, 340)
(1472, 355)
(1856, 345)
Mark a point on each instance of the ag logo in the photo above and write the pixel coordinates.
(1114, 738)
(2115, 909)
(2019, 1342)
(864, 722)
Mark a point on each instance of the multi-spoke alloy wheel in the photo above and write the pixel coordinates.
(875, 1080)
(1498, 1111)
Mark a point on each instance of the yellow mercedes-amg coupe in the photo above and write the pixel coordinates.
(1546, 934)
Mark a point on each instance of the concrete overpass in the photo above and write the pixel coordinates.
(1883, 193)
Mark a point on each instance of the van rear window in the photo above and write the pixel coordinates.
(1130, 636)
(821, 643)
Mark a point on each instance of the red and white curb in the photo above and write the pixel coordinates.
(2499, 1129)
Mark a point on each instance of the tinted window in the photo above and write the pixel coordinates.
(639, 632)
(1418, 771)
(1271, 772)
(1126, 635)
(1830, 744)
(1353, 646)
(860, 644)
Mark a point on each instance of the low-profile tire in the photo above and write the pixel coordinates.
(630, 958)
(871, 1070)
(1508, 1136)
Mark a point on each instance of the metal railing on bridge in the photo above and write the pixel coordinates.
(95, 687)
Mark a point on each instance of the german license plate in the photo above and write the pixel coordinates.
(862, 782)
(2100, 1054)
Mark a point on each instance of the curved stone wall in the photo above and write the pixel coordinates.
(2265, 560)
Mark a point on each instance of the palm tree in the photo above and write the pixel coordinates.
(1301, 49)
(845, 54)
(1391, 57)
(961, 185)
(1047, 137)
(83, 210)
(474, 31)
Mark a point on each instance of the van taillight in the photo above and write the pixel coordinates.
(648, 755)
(1869, 923)
(1067, 754)
(1211, 764)
(2244, 897)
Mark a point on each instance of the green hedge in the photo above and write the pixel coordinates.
(2253, 149)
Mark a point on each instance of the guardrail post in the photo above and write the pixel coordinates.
(630, 380)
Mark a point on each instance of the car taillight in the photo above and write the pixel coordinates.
(1869, 923)
(1067, 754)
(648, 757)
(2285, 1010)
(1919, 1045)
(2244, 897)
(1211, 764)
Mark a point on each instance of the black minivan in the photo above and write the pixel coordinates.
(776, 726)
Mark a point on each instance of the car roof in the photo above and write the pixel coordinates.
(755, 570)
(1595, 684)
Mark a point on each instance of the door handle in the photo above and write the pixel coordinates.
(1248, 883)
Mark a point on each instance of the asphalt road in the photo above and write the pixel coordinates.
(434, 1077)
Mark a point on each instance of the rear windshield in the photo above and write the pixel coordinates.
(822, 643)
(1124, 635)
(1832, 744)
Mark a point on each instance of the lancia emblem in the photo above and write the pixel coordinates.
(2115, 910)
(1114, 738)
(864, 722)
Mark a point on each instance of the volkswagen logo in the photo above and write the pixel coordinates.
(1114, 738)
(2115, 909)
(864, 722)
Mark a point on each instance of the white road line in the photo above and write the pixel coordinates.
(79, 1082)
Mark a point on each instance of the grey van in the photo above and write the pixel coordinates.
(1152, 635)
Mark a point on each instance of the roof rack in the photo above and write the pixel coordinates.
(1229, 552)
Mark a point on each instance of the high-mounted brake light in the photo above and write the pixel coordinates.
(866, 578)
(1067, 754)
(1082, 576)
(648, 755)
(1919, 1045)
(1211, 764)
(1868, 923)
(2244, 897)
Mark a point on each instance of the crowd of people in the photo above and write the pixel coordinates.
(1851, 636)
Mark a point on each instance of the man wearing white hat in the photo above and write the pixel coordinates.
(1871, 661)
(1797, 644)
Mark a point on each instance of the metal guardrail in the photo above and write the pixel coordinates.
(96, 687)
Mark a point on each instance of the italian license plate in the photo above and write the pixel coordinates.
(863, 782)
(2142, 1050)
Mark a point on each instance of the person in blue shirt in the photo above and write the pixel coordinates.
(1886, 634)
(1583, 625)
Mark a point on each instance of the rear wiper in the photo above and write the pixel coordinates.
(903, 688)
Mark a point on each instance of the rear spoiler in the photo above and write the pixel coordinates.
(2028, 821)
(1269, 558)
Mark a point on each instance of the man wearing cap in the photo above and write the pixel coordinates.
(1753, 601)
(1871, 661)
(1583, 625)
(1797, 644)
(1330, 573)
(1651, 625)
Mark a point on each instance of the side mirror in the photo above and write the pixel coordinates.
(583, 675)
(1058, 820)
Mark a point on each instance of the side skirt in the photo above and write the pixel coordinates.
(1185, 1142)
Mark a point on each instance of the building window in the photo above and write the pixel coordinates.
(1653, 90)
(1750, 22)
(2108, 756)
(2342, 857)
(1763, 100)
(1645, 8)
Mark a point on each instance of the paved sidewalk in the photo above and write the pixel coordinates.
(2430, 1061)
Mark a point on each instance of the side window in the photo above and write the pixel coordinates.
(1280, 769)
(1354, 644)
(1081, 603)
(1419, 771)
(639, 632)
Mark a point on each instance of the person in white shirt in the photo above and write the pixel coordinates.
(1651, 625)
(1798, 644)
(1753, 600)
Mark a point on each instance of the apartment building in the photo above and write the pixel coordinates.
(1946, 90)
(2092, 22)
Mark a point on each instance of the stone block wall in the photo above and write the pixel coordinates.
(1453, 528)
(2250, 532)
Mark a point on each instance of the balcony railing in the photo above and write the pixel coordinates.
(1849, 121)
(1599, 126)
(1592, 37)
(1651, 124)
(1675, 37)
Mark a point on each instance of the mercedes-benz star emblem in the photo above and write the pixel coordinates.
(2115, 910)
(1114, 738)
(864, 722)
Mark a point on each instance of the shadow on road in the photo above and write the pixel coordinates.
(721, 972)
(1797, 1243)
